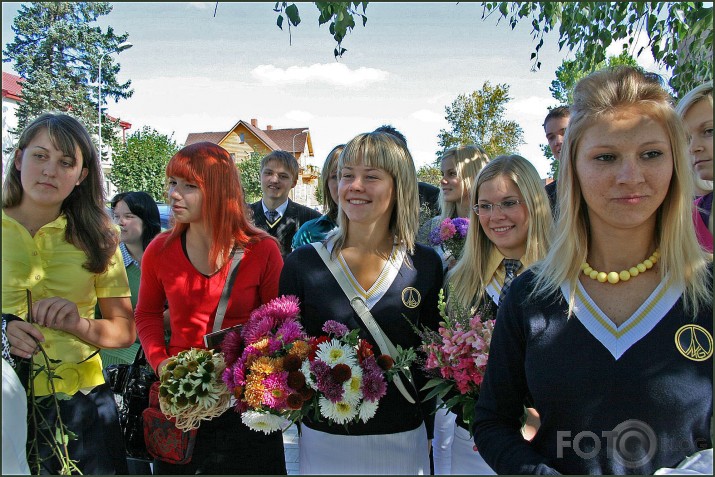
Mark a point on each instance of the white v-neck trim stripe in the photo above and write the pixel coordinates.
(618, 339)
(384, 280)
(494, 290)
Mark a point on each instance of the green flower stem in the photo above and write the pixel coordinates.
(59, 449)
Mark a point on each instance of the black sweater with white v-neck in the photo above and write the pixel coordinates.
(321, 299)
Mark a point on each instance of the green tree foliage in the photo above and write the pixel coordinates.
(319, 195)
(141, 164)
(478, 118)
(250, 170)
(678, 34)
(340, 16)
(567, 75)
(56, 50)
(430, 174)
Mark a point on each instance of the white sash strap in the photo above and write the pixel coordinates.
(358, 304)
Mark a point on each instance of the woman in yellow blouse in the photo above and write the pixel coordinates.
(59, 244)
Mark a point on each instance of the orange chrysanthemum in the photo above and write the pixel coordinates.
(300, 349)
(254, 390)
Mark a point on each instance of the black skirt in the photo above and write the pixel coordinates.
(224, 445)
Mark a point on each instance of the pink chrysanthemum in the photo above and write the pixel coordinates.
(232, 347)
(276, 390)
(289, 332)
(335, 328)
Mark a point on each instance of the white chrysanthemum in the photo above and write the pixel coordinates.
(334, 352)
(351, 387)
(262, 421)
(305, 369)
(367, 410)
(339, 412)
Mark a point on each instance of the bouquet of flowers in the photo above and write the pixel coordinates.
(451, 234)
(346, 376)
(457, 356)
(191, 389)
(263, 366)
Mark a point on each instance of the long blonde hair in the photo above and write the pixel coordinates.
(469, 277)
(597, 96)
(385, 151)
(468, 161)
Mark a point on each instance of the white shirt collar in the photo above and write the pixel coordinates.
(281, 209)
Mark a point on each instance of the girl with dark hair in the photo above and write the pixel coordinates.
(137, 216)
(188, 267)
(60, 245)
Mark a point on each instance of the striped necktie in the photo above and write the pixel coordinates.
(511, 266)
(272, 215)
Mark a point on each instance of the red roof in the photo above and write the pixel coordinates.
(12, 89)
(276, 139)
(212, 137)
(284, 138)
(11, 86)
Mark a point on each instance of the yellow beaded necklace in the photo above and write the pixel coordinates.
(623, 275)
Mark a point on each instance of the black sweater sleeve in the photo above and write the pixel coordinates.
(498, 412)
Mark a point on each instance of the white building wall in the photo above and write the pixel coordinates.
(9, 122)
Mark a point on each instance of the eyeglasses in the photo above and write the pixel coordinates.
(487, 209)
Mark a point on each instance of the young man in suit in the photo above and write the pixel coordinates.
(555, 125)
(275, 212)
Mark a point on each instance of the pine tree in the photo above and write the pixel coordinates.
(57, 50)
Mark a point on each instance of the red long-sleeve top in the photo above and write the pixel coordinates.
(168, 275)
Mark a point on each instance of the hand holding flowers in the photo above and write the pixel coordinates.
(191, 389)
(457, 357)
(264, 362)
(346, 375)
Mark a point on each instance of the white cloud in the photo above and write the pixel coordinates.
(335, 74)
(296, 115)
(200, 5)
(427, 116)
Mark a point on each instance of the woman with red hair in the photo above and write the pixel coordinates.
(187, 267)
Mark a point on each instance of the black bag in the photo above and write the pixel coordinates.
(131, 384)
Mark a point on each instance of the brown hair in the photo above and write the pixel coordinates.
(89, 227)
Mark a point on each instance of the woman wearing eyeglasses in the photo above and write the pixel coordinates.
(509, 229)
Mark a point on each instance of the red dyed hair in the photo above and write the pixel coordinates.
(224, 210)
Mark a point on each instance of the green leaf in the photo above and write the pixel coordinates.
(279, 21)
(292, 13)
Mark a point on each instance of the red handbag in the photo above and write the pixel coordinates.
(163, 440)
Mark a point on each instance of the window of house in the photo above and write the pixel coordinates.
(241, 137)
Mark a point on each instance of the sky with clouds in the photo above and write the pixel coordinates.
(192, 71)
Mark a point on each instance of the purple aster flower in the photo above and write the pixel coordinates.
(434, 237)
(462, 226)
(331, 389)
(336, 329)
(374, 385)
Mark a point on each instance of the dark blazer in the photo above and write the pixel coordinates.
(429, 195)
(286, 227)
(551, 192)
